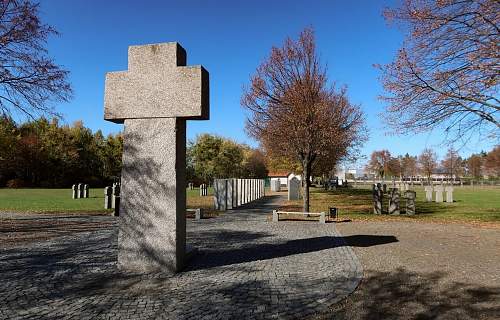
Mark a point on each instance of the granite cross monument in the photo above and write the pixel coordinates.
(153, 99)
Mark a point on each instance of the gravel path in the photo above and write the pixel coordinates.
(423, 271)
(248, 268)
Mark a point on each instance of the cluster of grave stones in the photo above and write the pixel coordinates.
(112, 198)
(203, 190)
(191, 186)
(438, 189)
(378, 191)
(275, 185)
(232, 193)
(80, 191)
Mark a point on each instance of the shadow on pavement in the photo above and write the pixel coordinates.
(404, 294)
(227, 256)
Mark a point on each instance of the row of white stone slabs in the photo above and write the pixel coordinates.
(80, 191)
(232, 193)
(438, 190)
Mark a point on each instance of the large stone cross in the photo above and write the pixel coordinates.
(153, 99)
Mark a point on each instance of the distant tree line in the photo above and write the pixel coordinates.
(211, 156)
(476, 166)
(43, 153)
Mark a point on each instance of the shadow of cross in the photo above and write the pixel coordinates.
(153, 99)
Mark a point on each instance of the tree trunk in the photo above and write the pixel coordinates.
(306, 172)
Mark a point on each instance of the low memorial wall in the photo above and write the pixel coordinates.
(232, 193)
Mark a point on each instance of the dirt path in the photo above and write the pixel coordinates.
(423, 271)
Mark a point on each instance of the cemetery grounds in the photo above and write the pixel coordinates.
(441, 263)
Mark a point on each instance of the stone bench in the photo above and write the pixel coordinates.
(198, 213)
(321, 215)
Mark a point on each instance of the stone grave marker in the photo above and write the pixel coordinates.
(80, 190)
(108, 192)
(116, 194)
(410, 196)
(74, 192)
(154, 98)
(86, 190)
(294, 189)
(428, 193)
(439, 193)
(378, 197)
(449, 194)
(394, 201)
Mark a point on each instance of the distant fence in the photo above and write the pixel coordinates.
(232, 193)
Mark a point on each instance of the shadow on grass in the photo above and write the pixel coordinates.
(403, 294)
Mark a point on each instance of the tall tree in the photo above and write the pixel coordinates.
(379, 162)
(216, 157)
(428, 162)
(452, 163)
(447, 72)
(295, 114)
(408, 165)
(475, 166)
(492, 162)
(29, 78)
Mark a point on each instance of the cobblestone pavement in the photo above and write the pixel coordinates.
(431, 271)
(247, 267)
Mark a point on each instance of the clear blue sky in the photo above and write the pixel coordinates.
(230, 39)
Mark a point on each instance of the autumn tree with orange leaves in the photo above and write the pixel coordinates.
(447, 72)
(295, 114)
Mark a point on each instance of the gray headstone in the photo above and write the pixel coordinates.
(439, 193)
(108, 193)
(449, 194)
(116, 193)
(220, 196)
(229, 194)
(275, 216)
(247, 190)
(154, 98)
(428, 193)
(86, 190)
(239, 190)
(394, 201)
(294, 189)
(74, 192)
(275, 185)
(410, 196)
(378, 197)
(198, 214)
(80, 190)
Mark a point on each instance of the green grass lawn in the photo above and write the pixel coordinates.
(59, 200)
(480, 204)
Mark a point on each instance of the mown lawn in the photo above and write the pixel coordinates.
(60, 201)
(474, 204)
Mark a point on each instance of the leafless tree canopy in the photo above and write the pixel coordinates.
(29, 79)
(295, 114)
(447, 72)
